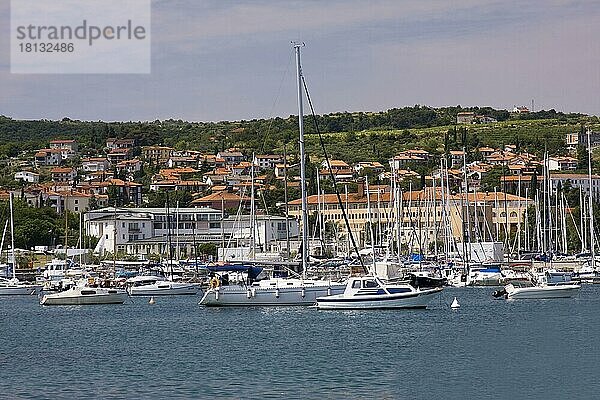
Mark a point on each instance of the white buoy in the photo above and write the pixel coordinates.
(454, 304)
(152, 301)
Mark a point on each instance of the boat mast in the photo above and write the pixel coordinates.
(591, 209)
(370, 225)
(12, 237)
(304, 255)
(287, 214)
(252, 213)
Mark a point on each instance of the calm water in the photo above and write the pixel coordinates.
(177, 349)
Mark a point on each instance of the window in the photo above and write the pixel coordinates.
(356, 285)
(214, 225)
(370, 283)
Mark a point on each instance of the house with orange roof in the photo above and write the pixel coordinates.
(117, 155)
(63, 174)
(94, 164)
(222, 200)
(267, 161)
(157, 155)
(48, 157)
(128, 192)
(562, 163)
(69, 145)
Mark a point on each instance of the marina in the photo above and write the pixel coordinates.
(405, 206)
(113, 351)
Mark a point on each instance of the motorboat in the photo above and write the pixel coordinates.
(15, 287)
(550, 285)
(151, 285)
(489, 275)
(370, 292)
(270, 292)
(85, 295)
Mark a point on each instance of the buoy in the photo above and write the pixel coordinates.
(217, 294)
(455, 304)
(329, 291)
(277, 292)
(303, 293)
(152, 301)
(248, 293)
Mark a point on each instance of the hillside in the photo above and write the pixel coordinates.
(349, 136)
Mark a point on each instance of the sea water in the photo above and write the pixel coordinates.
(488, 349)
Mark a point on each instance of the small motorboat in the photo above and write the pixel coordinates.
(84, 295)
(16, 287)
(550, 285)
(370, 292)
(156, 286)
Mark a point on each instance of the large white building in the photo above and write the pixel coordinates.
(145, 231)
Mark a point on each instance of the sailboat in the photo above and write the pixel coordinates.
(279, 291)
(152, 285)
(13, 286)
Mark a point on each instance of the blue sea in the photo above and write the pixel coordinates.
(487, 349)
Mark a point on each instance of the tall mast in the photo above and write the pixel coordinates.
(374, 272)
(304, 194)
(252, 213)
(591, 210)
(12, 237)
(285, 195)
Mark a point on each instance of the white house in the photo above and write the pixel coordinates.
(562, 163)
(27, 176)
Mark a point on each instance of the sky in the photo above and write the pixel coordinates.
(218, 60)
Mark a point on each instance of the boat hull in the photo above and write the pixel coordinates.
(543, 292)
(18, 290)
(73, 299)
(255, 296)
(418, 299)
(164, 290)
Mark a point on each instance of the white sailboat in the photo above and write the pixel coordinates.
(279, 291)
(85, 295)
(150, 285)
(13, 286)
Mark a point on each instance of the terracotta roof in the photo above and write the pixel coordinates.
(61, 170)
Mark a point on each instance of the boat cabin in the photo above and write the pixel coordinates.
(370, 285)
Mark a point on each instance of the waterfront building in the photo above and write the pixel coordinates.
(422, 216)
(145, 231)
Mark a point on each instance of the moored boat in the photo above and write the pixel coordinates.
(270, 292)
(159, 286)
(15, 287)
(369, 292)
(85, 295)
(550, 285)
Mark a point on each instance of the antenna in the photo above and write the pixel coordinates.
(532, 104)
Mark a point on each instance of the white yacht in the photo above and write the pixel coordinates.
(145, 285)
(278, 291)
(84, 295)
(270, 292)
(15, 287)
(550, 285)
(369, 292)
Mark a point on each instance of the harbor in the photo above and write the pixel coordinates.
(177, 349)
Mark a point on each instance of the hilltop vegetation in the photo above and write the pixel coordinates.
(349, 136)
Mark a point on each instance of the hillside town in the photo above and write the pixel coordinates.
(123, 195)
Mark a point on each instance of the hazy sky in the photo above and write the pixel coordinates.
(219, 59)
